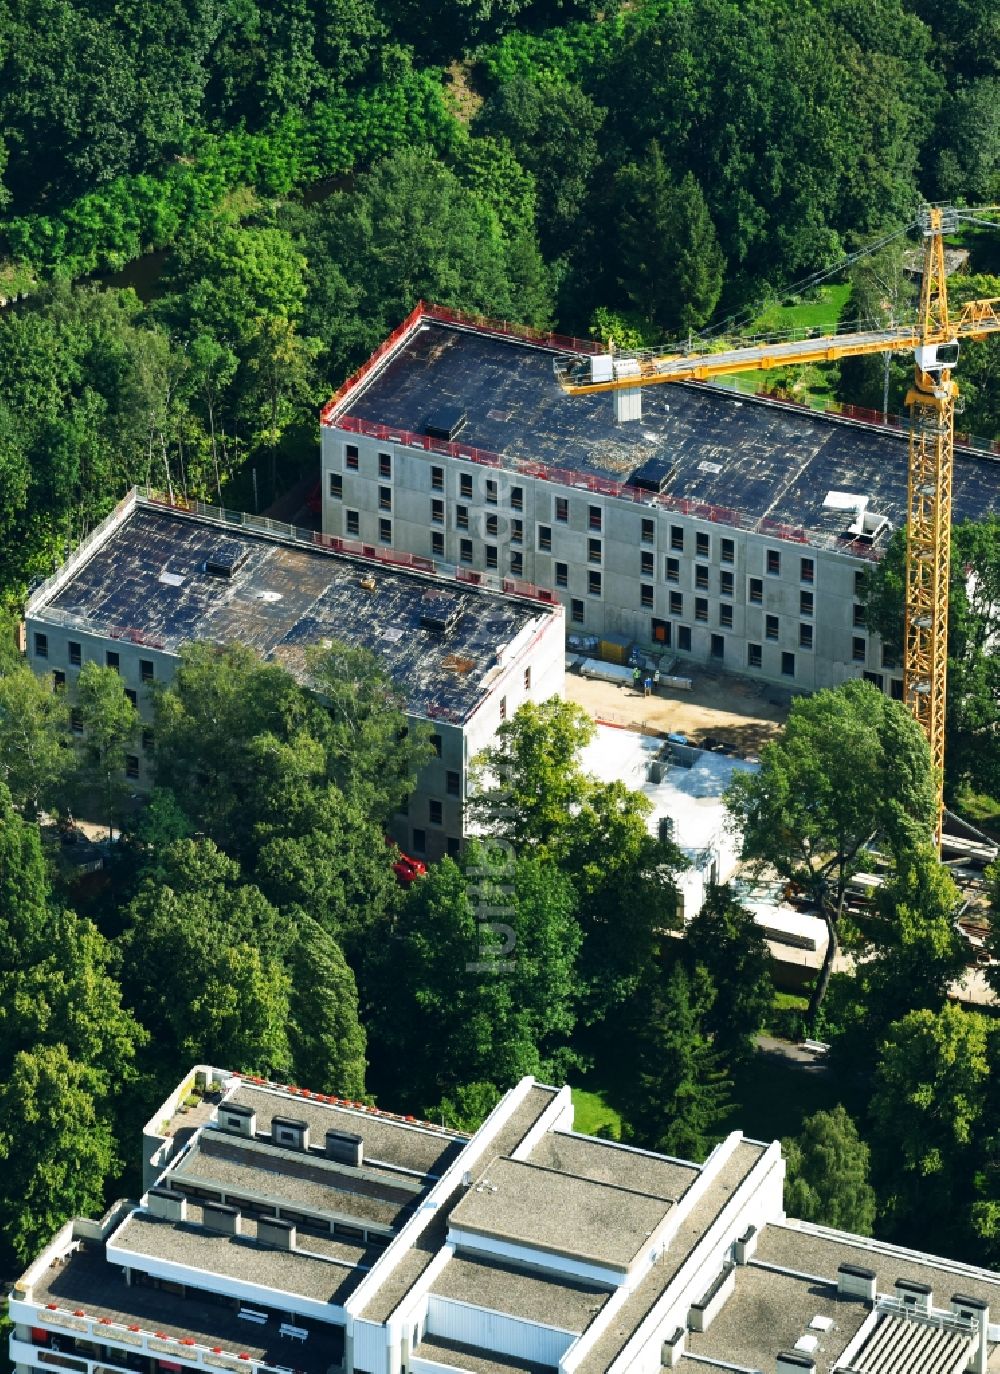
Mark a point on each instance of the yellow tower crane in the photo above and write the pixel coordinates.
(933, 338)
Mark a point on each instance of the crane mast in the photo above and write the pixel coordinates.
(931, 403)
(933, 339)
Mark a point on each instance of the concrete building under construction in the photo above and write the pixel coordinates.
(464, 652)
(729, 530)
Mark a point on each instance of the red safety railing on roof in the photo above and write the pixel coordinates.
(386, 346)
(559, 343)
(565, 343)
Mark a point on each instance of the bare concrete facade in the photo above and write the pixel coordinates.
(140, 588)
(701, 528)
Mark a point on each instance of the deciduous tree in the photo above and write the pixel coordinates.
(326, 1039)
(850, 766)
(930, 1095)
(827, 1174)
(56, 1146)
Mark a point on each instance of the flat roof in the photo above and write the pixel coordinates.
(87, 1281)
(286, 1178)
(326, 1270)
(417, 1147)
(769, 1312)
(651, 1289)
(413, 1264)
(603, 1161)
(741, 455)
(474, 1359)
(538, 1207)
(532, 1296)
(147, 580)
(812, 1252)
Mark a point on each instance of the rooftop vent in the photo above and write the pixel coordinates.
(225, 559)
(654, 475)
(345, 1147)
(280, 1235)
(217, 1216)
(445, 422)
(856, 1282)
(795, 1362)
(866, 524)
(290, 1133)
(162, 1202)
(439, 614)
(239, 1120)
(915, 1295)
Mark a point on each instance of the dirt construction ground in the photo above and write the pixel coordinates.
(741, 713)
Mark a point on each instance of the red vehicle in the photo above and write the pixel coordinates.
(406, 869)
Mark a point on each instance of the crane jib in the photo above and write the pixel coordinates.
(933, 340)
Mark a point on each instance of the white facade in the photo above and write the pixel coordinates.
(603, 1288)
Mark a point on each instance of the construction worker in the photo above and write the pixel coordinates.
(647, 686)
(656, 681)
(636, 677)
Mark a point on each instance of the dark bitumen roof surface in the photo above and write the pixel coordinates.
(87, 1281)
(745, 455)
(283, 600)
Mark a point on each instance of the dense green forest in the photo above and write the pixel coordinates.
(306, 171)
(281, 181)
(249, 917)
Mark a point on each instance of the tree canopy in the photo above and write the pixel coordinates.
(850, 766)
(827, 1177)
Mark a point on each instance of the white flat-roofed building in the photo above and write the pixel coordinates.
(732, 530)
(283, 1230)
(464, 651)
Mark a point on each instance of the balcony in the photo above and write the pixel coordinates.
(86, 1299)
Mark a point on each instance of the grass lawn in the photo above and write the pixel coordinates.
(821, 311)
(980, 809)
(814, 384)
(591, 1112)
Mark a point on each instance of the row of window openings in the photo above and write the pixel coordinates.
(492, 493)
(727, 547)
(352, 461)
(112, 659)
(419, 843)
